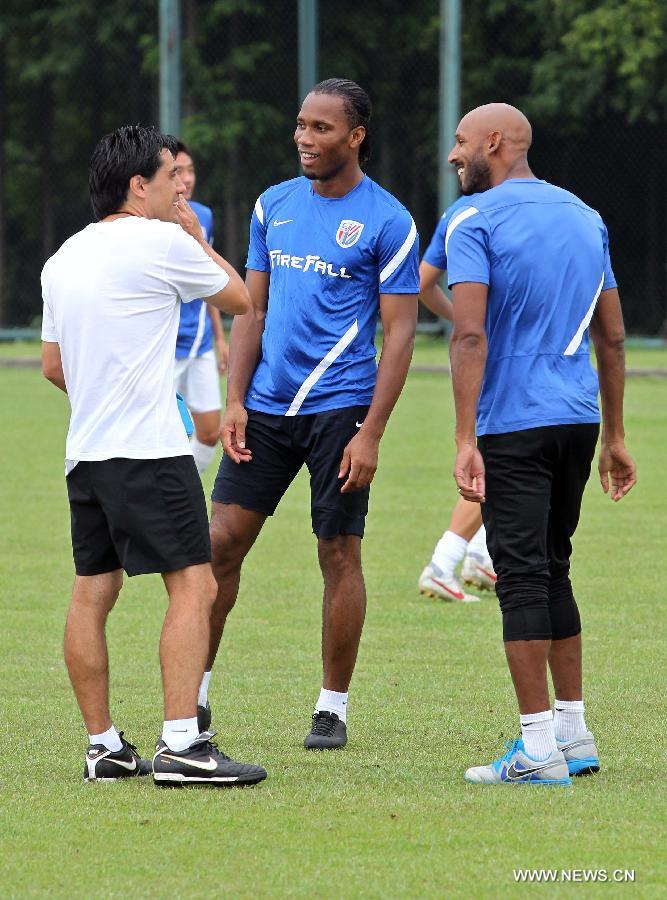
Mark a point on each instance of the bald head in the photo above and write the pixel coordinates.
(507, 120)
(492, 143)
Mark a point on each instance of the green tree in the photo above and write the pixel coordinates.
(602, 58)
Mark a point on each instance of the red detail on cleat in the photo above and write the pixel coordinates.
(491, 575)
(449, 590)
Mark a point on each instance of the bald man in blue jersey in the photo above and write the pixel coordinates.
(328, 251)
(530, 272)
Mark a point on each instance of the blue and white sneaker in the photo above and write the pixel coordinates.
(515, 767)
(580, 753)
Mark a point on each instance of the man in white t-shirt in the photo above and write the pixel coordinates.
(112, 296)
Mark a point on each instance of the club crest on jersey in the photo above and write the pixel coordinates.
(348, 233)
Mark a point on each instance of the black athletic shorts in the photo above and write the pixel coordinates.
(535, 481)
(280, 446)
(141, 515)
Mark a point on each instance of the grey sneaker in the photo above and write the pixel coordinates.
(515, 767)
(581, 754)
(328, 732)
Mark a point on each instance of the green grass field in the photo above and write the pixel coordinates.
(390, 816)
(430, 350)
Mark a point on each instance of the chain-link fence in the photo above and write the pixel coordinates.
(71, 70)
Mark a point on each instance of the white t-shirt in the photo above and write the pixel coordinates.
(112, 298)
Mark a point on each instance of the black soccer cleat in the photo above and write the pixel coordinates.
(204, 718)
(328, 732)
(103, 764)
(201, 763)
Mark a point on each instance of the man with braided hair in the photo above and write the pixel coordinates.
(327, 251)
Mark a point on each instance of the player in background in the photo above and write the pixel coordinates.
(529, 269)
(328, 250)
(465, 538)
(196, 374)
(111, 302)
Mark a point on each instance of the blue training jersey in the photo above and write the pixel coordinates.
(329, 260)
(195, 335)
(545, 256)
(435, 253)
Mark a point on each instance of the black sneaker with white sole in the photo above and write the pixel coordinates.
(328, 732)
(204, 718)
(103, 764)
(202, 763)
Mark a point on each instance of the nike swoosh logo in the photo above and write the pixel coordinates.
(358, 424)
(512, 773)
(449, 590)
(119, 762)
(282, 222)
(575, 744)
(209, 766)
(491, 575)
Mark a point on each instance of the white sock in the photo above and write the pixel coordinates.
(202, 453)
(449, 551)
(202, 699)
(178, 734)
(537, 731)
(568, 719)
(477, 545)
(110, 738)
(333, 701)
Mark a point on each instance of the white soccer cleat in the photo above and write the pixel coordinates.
(479, 572)
(434, 583)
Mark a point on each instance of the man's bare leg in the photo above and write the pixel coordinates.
(466, 519)
(233, 532)
(207, 426)
(344, 608)
(343, 613)
(565, 662)
(566, 668)
(184, 755)
(85, 646)
(184, 639)
(206, 437)
(527, 661)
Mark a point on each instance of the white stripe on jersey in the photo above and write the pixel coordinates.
(456, 221)
(573, 346)
(396, 260)
(321, 368)
(199, 336)
(259, 212)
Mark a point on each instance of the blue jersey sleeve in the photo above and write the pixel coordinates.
(398, 255)
(435, 252)
(205, 216)
(258, 256)
(609, 280)
(467, 247)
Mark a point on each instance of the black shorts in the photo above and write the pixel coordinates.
(280, 446)
(535, 481)
(141, 515)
